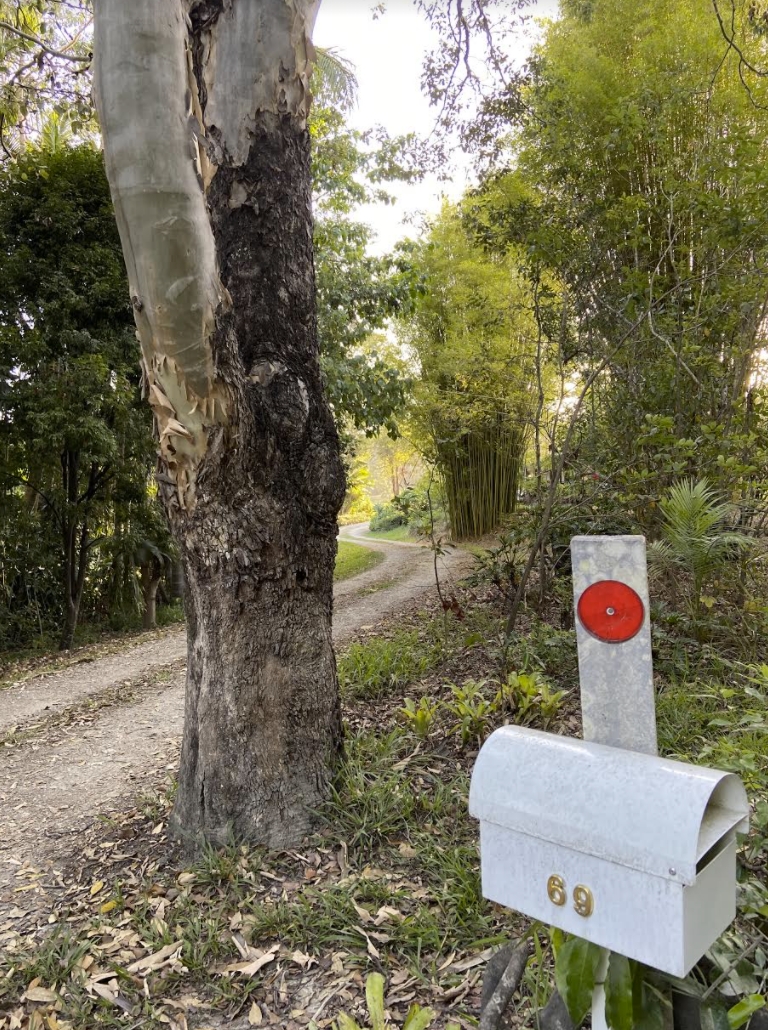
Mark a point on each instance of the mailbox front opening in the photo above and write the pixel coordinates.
(723, 816)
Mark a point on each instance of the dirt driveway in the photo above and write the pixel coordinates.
(86, 739)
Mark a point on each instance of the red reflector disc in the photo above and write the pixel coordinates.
(611, 611)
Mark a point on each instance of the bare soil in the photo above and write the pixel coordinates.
(86, 740)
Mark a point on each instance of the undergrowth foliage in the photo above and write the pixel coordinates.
(390, 884)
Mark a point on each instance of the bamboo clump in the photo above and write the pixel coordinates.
(481, 471)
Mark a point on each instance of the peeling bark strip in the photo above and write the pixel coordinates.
(203, 107)
(141, 75)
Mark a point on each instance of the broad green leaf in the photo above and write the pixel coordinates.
(418, 1018)
(619, 1011)
(575, 970)
(558, 939)
(743, 1010)
(374, 995)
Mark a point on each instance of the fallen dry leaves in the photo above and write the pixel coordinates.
(119, 906)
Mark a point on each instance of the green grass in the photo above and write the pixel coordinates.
(353, 559)
(724, 725)
(401, 533)
(382, 666)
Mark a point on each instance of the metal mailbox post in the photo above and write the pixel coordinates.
(600, 837)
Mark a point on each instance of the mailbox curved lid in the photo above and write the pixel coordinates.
(652, 814)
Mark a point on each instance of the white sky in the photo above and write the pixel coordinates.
(387, 54)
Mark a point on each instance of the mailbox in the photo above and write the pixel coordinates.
(632, 852)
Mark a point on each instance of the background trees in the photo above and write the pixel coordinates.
(611, 262)
(65, 315)
(45, 53)
(75, 440)
(356, 291)
(622, 193)
(639, 182)
(587, 332)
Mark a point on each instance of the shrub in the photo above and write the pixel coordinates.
(387, 516)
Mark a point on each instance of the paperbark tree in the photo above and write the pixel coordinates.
(203, 107)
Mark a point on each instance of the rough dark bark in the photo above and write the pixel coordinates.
(75, 543)
(176, 585)
(263, 707)
(150, 581)
(262, 723)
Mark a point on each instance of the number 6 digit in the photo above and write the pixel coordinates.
(556, 890)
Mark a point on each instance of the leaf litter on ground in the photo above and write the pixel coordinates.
(129, 935)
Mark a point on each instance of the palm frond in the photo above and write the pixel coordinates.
(334, 78)
(696, 535)
(661, 557)
(692, 510)
(56, 133)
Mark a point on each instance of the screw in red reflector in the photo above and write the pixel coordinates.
(611, 611)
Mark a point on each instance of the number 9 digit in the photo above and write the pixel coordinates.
(583, 901)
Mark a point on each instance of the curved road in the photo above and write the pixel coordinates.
(89, 738)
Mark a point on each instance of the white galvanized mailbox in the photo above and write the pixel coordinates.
(632, 852)
(600, 837)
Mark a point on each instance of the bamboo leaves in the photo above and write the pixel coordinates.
(474, 337)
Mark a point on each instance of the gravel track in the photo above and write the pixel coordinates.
(93, 736)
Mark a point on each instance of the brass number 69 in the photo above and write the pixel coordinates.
(583, 899)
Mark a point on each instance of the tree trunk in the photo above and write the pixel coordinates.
(203, 108)
(70, 625)
(75, 560)
(150, 580)
(70, 611)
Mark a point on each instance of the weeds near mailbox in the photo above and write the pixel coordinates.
(636, 996)
(371, 801)
(379, 666)
(418, 1018)
(398, 823)
(421, 716)
(530, 698)
(696, 540)
(721, 725)
(523, 698)
(472, 709)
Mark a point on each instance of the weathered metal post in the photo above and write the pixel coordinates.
(612, 605)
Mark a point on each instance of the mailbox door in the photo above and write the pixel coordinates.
(710, 904)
